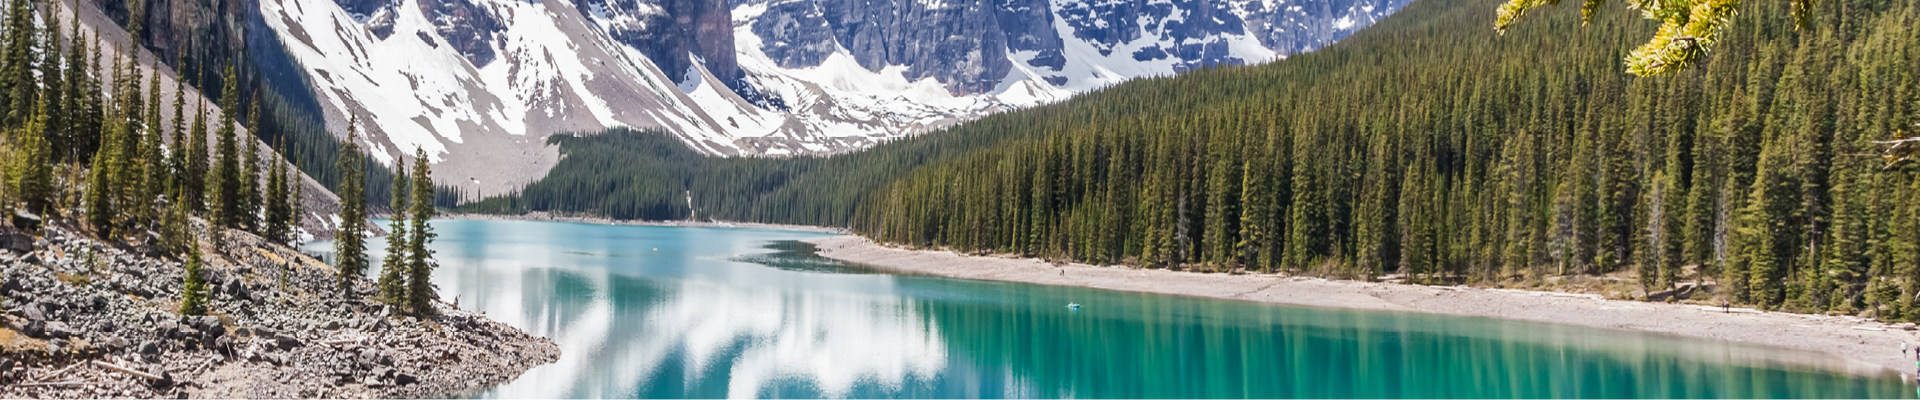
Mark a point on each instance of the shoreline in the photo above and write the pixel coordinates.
(1861, 346)
(587, 219)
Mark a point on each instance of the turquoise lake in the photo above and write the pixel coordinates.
(672, 312)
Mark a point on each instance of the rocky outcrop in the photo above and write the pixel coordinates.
(85, 318)
(673, 32)
(466, 26)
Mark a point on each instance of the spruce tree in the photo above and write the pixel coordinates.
(175, 235)
(394, 270)
(227, 200)
(197, 161)
(349, 244)
(249, 215)
(420, 294)
(18, 86)
(194, 294)
(31, 173)
(101, 213)
(278, 213)
(76, 144)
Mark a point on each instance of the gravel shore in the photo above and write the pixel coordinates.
(87, 319)
(1861, 346)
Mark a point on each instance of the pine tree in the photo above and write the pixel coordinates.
(31, 174)
(194, 296)
(420, 294)
(227, 194)
(53, 85)
(175, 235)
(250, 203)
(101, 213)
(178, 144)
(18, 86)
(394, 269)
(349, 243)
(197, 159)
(279, 213)
(77, 145)
(297, 204)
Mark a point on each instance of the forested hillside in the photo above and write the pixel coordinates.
(1426, 145)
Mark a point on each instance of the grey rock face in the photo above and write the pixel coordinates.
(467, 27)
(959, 42)
(795, 34)
(672, 32)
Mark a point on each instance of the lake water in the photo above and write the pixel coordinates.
(647, 312)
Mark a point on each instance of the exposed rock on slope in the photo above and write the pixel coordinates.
(86, 319)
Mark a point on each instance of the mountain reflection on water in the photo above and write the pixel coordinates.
(709, 312)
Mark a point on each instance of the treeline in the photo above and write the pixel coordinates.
(1448, 154)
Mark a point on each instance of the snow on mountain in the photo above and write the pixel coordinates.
(479, 84)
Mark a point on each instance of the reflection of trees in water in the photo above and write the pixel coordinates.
(700, 338)
(1145, 346)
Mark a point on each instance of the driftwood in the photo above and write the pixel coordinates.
(125, 370)
(51, 384)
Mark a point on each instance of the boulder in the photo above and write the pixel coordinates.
(405, 379)
(285, 342)
(149, 349)
(16, 242)
(26, 220)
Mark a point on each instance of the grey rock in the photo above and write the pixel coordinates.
(405, 379)
(60, 330)
(34, 311)
(26, 220)
(16, 242)
(286, 342)
(331, 325)
(149, 348)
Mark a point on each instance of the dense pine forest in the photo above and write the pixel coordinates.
(90, 143)
(1426, 146)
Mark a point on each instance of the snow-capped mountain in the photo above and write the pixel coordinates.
(479, 84)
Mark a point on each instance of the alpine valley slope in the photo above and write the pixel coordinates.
(480, 84)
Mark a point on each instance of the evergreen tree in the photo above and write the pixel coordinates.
(349, 244)
(174, 230)
(194, 295)
(76, 140)
(31, 173)
(279, 214)
(250, 203)
(394, 270)
(197, 158)
(227, 193)
(420, 294)
(19, 90)
(101, 213)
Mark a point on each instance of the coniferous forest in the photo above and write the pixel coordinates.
(1416, 147)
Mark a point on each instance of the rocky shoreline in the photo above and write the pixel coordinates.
(91, 319)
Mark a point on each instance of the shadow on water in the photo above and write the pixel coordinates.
(798, 256)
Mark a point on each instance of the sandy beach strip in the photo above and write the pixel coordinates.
(1863, 346)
